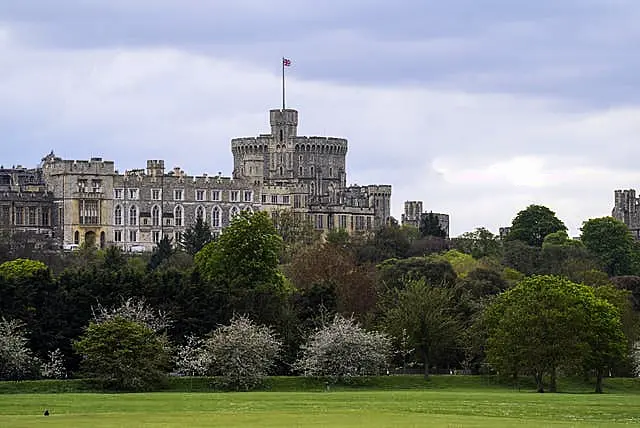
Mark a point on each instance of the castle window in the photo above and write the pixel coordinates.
(45, 217)
(248, 196)
(199, 195)
(133, 235)
(6, 217)
(300, 171)
(18, 216)
(319, 221)
(89, 212)
(200, 213)
(281, 171)
(281, 135)
(118, 216)
(233, 212)
(215, 195)
(264, 198)
(178, 215)
(155, 215)
(312, 171)
(76, 237)
(215, 217)
(117, 193)
(274, 199)
(285, 199)
(133, 216)
(32, 216)
(133, 194)
(343, 222)
(330, 172)
(178, 194)
(117, 236)
(234, 196)
(155, 194)
(177, 237)
(156, 236)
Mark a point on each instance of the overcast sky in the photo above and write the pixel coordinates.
(476, 107)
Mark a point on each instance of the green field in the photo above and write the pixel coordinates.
(460, 408)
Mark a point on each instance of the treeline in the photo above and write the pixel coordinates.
(537, 302)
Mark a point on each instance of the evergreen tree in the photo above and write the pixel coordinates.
(196, 237)
(161, 252)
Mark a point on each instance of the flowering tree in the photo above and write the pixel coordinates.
(16, 359)
(192, 359)
(54, 368)
(343, 349)
(242, 352)
(135, 310)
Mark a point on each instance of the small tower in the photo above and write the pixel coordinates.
(284, 125)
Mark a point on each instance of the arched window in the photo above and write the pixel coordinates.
(118, 215)
(155, 215)
(178, 215)
(281, 171)
(215, 217)
(233, 212)
(133, 216)
(200, 213)
(311, 171)
(330, 172)
(248, 209)
(76, 237)
(281, 135)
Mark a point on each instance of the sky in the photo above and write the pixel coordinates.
(478, 108)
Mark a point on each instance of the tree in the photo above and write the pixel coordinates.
(395, 272)
(342, 350)
(196, 237)
(425, 315)
(16, 359)
(430, 226)
(611, 242)
(192, 358)
(53, 367)
(123, 355)
(389, 241)
(162, 252)
(242, 353)
(135, 310)
(479, 243)
(296, 230)
(243, 265)
(532, 224)
(547, 322)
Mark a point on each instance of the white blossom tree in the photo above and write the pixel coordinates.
(242, 352)
(192, 358)
(342, 350)
(54, 368)
(136, 310)
(16, 359)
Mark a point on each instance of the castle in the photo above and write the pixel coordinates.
(627, 209)
(79, 201)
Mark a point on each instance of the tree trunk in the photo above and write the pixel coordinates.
(553, 387)
(539, 384)
(426, 364)
(599, 376)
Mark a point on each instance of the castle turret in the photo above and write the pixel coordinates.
(284, 124)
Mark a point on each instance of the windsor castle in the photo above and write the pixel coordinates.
(73, 202)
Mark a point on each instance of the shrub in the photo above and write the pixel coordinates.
(123, 355)
(342, 350)
(16, 359)
(242, 353)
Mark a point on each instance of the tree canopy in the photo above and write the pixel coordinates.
(532, 224)
(611, 242)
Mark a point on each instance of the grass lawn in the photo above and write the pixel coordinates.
(417, 408)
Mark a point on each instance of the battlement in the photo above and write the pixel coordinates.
(331, 145)
(95, 166)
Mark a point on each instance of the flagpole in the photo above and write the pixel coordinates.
(283, 84)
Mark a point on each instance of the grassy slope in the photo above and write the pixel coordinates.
(463, 408)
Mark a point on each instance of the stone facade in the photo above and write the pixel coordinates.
(26, 205)
(626, 209)
(308, 175)
(89, 201)
(414, 213)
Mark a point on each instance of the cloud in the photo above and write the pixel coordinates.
(478, 111)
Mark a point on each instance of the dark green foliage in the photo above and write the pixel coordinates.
(196, 237)
(610, 241)
(479, 243)
(532, 224)
(123, 355)
(393, 273)
(430, 226)
(162, 252)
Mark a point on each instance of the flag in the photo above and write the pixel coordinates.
(286, 62)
